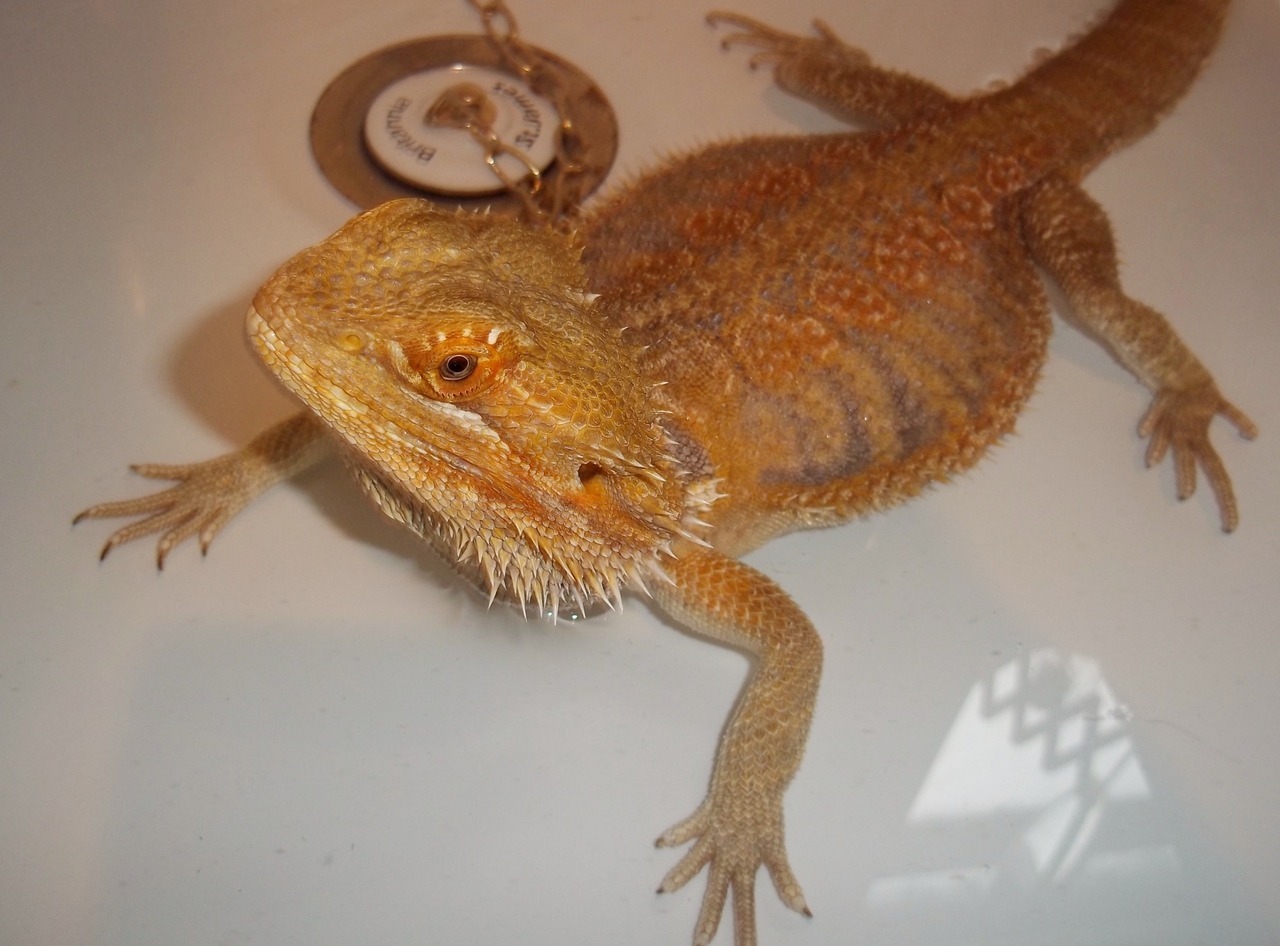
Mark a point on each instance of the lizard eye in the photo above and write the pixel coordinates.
(458, 367)
(455, 365)
(351, 341)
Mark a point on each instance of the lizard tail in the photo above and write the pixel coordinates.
(1114, 83)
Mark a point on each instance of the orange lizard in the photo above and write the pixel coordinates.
(770, 334)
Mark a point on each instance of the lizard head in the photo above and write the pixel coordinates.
(484, 400)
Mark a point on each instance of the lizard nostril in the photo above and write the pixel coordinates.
(587, 472)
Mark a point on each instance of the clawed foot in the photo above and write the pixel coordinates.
(1179, 420)
(775, 46)
(733, 838)
(206, 496)
(209, 494)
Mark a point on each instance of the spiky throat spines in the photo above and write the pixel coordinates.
(527, 565)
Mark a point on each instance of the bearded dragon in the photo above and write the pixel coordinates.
(770, 334)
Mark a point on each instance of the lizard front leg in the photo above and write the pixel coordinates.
(1068, 234)
(739, 827)
(210, 493)
(833, 75)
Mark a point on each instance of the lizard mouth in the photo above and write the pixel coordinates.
(340, 396)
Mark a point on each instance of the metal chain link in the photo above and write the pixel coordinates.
(466, 106)
(550, 205)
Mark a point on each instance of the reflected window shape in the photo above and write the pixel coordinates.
(1036, 784)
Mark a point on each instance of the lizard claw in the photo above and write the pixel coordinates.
(1179, 420)
(732, 838)
(208, 495)
(205, 498)
(776, 46)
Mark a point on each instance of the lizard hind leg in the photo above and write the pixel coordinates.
(833, 75)
(1068, 234)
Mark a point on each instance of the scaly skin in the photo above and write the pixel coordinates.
(767, 335)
